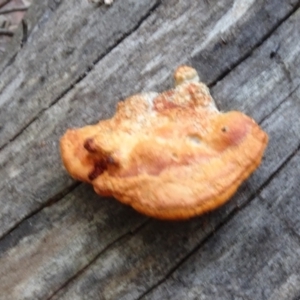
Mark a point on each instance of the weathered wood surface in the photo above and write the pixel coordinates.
(58, 240)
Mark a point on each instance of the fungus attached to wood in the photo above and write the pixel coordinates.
(171, 155)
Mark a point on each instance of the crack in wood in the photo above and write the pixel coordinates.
(257, 45)
(113, 243)
(35, 10)
(280, 104)
(58, 197)
(6, 32)
(84, 74)
(14, 9)
(231, 215)
(221, 224)
(284, 67)
(53, 200)
(88, 70)
(24, 33)
(4, 3)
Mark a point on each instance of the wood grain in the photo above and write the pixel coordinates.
(61, 241)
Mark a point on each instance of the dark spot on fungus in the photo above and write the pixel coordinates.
(110, 160)
(89, 145)
(99, 168)
(224, 129)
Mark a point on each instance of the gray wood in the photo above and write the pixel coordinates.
(35, 17)
(98, 95)
(53, 245)
(176, 240)
(255, 255)
(61, 241)
(73, 39)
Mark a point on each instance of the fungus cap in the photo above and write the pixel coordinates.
(171, 155)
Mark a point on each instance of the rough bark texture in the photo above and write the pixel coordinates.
(58, 239)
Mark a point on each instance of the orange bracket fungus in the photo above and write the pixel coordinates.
(171, 155)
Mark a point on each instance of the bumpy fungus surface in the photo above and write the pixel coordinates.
(171, 155)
